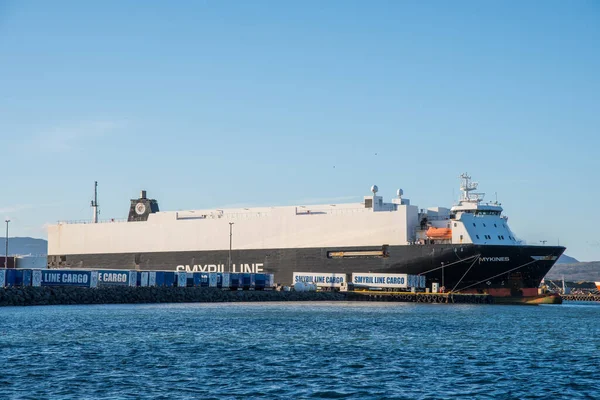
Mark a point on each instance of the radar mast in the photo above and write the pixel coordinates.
(466, 187)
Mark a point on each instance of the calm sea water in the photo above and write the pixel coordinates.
(300, 350)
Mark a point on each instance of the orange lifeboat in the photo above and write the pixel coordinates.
(439, 233)
(597, 285)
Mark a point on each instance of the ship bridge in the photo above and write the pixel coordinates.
(469, 221)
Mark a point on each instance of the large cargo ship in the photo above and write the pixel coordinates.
(468, 247)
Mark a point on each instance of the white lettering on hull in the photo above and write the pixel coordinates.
(254, 268)
(494, 259)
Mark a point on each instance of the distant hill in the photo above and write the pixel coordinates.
(583, 271)
(574, 271)
(24, 245)
(564, 259)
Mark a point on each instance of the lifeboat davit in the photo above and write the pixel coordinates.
(439, 233)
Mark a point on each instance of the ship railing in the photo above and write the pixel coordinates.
(248, 215)
(338, 211)
(260, 214)
(240, 215)
(87, 221)
(354, 210)
(320, 211)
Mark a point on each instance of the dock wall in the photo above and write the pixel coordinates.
(32, 296)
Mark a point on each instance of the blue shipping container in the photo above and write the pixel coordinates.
(204, 277)
(270, 280)
(19, 277)
(248, 281)
(190, 279)
(197, 278)
(151, 278)
(169, 278)
(143, 278)
(23, 277)
(181, 279)
(11, 277)
(133, 278)
(235, 280)
(160, 278)
(225, 280)
(260, 281)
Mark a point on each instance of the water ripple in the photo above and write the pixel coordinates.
(300, 350)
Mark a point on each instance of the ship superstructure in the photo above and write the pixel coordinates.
(467, 247)
(469, 221)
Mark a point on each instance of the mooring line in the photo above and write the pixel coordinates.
(502, 273)
(452, 263)
(465, 274)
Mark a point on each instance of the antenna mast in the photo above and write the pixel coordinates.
(467, 186)
(95, 204)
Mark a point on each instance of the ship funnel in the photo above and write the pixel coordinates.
(143, 194)
(95, 204)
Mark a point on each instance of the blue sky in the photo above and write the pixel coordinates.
(214, 103)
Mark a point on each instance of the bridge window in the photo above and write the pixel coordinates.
(477, 236)
(474, 224)
(484, 225)
(495, 226)
(487, 212)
